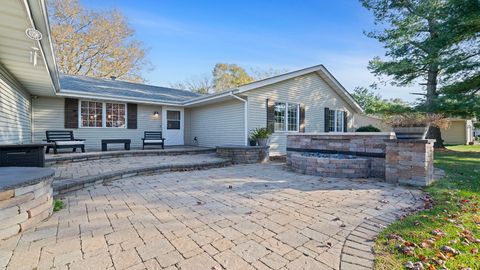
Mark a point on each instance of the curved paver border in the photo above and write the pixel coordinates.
(357, 251)
(124, 153)
(65, 186)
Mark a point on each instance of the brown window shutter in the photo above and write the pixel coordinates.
(270, 115)
(327, 120)
(345, 121)
(302, 118)
(71, 113)
(131, 116)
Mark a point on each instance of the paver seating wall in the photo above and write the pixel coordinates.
(25, 198)
(397, 161)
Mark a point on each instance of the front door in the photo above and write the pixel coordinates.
(172, 125)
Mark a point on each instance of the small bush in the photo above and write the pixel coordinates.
(260, 133)
(368, 128)
(58, 205)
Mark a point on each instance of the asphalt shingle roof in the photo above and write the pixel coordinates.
(123, 89)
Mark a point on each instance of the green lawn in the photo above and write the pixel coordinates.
(464, 148)
(455, 217)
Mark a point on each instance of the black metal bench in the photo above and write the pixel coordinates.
(63, 139)
(153, 138)
(126, 143)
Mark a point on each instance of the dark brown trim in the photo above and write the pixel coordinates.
(326, 118)
(71, 113)
(132, 116)
(302, 118)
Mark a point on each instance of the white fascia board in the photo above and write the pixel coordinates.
(277, 79)
(38, 17)
(341, 90)
(77, 94)
(208, 98)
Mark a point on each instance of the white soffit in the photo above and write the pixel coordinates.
(15, 47)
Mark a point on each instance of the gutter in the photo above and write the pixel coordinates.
(37, 15)
(82, 95)
(245, 102)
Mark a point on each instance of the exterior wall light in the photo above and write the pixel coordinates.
(155, 114)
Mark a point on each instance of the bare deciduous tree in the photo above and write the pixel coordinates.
(201, 85)
(96, 44)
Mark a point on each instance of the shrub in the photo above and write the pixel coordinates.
(260, 133)
(58, 205)
(417, 120)
(368, 128)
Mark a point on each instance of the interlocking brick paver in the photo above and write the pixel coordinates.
(271, 218)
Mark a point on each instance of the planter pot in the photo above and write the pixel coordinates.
(410, 133)
(252, 142)
(262, 142)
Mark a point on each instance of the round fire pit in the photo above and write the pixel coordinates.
(25, 198)
(329, 165)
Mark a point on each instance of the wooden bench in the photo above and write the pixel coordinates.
(126, 143)
(63, 139)
(153, 138)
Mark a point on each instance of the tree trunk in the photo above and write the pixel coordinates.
(431, 98)
(435, 133)
(432, 95)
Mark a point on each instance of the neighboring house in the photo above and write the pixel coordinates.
(36, 99)
(460, 131)
(362, 120)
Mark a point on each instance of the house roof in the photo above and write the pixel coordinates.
(319, 69)
(107, 88)
(81, 86)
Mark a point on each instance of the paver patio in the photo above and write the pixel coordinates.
(237, 217)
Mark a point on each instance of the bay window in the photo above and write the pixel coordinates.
(286, 116)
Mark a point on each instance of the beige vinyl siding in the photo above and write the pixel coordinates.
(15, 111)
(455, 133)
(362, 120)
(48, 114)
(216, 124)
(310, 90)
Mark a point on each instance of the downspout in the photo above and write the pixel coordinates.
(245, 102)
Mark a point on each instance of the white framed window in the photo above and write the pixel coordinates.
(97, 114)
(116, 115)
(337, 119)
(173, 119)
(91, 114)
(287, 116)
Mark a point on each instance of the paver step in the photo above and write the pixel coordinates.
(68, 185)
(80, 157)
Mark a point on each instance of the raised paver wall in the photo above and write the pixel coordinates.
(409, 162)
(244, 154)
(370, 145)
(24, 207)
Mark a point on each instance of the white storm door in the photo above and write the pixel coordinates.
(172, 125)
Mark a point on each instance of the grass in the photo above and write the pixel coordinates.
(464, 148)
(58, 205)
(455, 217)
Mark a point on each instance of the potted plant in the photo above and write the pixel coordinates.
(261, 135)
(414, 125)
(252, 141)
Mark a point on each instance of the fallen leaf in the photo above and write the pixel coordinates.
(474, 251)
(449, 250)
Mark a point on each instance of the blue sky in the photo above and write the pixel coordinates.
(186, 38)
